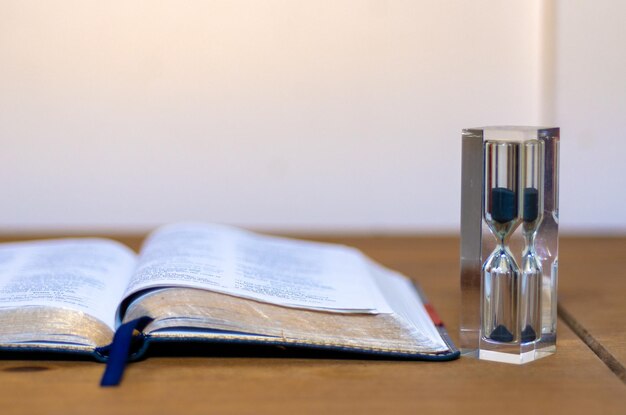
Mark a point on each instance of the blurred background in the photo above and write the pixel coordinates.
(298, 116)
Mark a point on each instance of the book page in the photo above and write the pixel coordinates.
(406, 303)
(281, 271)
(87, 274)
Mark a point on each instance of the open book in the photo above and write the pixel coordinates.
(214, 283)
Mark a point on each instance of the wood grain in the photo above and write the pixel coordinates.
(592, 290)
(573, 381)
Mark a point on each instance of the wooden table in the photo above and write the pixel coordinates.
(585, 376)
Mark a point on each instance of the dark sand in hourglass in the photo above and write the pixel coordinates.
(531, 204)
(503, 204)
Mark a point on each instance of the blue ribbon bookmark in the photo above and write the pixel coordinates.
(120, 351)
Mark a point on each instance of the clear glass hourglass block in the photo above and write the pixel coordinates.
(509, 242)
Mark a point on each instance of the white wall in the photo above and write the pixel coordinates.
(589, 103)
(282, 115)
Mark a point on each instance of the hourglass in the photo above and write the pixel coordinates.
(532, 215)
(509, 242)
(500, 272)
